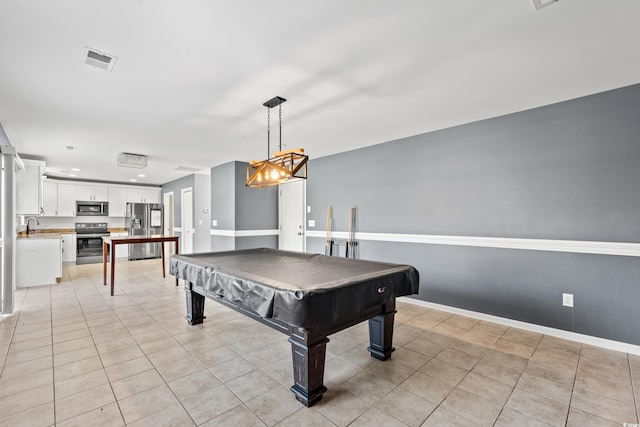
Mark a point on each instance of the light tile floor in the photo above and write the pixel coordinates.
(71, 355)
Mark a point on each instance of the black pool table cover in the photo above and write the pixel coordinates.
(299, 289)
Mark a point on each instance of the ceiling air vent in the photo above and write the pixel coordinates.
(539, 4)
(98, 59)
(187, 169)
(128, 160)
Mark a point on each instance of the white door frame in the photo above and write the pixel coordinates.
(303, 210)
(167, 203)
(190, 230)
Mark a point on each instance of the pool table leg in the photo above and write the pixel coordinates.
(381, 332)
(308, 352)
(195, 305)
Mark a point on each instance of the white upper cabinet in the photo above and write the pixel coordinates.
(143, 195)
(66, 199)
(58, 199)
(151, 195)
(29, 188)
(92, 193)
(117, 201)
(49, 198)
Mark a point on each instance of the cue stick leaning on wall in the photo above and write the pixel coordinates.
(328, 243)
(351, 240)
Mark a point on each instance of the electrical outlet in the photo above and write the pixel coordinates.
(567, 300)
(312, 223)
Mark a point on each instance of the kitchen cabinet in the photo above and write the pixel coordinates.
(92, 193)
(49, 198)
(38, 261)
(29, 188)
(122, 251)
(58, 199)
(117, 201)
(66, 199)
(143, 195)
(69, 247)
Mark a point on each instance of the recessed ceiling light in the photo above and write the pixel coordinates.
(141, 175)
(72, 174)
(133, 180)
(75, 169)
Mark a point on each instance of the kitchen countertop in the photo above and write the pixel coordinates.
(40, 235)
(56, 233)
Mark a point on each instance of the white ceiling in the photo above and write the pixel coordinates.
(192, 75)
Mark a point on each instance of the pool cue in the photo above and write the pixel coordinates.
(328, 243)
(351, 241)
(346, 251)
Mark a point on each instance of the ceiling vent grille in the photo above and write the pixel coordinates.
(128, 160)
(187, 169)
(98, 59)
(539, 4)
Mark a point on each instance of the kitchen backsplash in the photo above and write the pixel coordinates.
(67, 222)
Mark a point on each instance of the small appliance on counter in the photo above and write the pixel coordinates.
(89, 241)
(144, 219)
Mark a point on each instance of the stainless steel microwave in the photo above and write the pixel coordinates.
(92, 208)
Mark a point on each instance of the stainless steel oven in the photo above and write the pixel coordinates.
(89, 242)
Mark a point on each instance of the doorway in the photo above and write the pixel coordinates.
(187, 220)
(292, 216)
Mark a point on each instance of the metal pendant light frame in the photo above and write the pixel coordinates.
(285, 166)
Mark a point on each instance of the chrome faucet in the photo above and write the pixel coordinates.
(29, 219)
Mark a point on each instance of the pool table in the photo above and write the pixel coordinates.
(306, 296)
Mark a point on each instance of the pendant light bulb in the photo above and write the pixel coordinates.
(274, 174)
(259, 177)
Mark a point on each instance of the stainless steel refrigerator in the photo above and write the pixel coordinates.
(144, 219)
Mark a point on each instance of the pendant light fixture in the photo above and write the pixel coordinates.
(285, 166)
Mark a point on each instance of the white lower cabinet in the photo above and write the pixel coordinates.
(38, 261)
(69, 248)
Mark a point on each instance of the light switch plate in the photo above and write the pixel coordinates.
(214, 222)
(312, 223)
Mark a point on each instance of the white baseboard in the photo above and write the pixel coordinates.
(558, 333)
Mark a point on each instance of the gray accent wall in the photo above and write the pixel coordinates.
(256, 208)
(201, 187)
(177, 186)
(223, 196)
(567, 171)
(238, 208)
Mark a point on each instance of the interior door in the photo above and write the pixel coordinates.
(187, 220)
(292, 216)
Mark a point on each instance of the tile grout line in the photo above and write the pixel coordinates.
(53, 363)
(520, 377)
(633, 389)
(573, 385)
(154, 366)
(96, 347)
